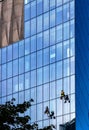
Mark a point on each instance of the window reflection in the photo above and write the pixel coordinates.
(52, 90)
(21, 65)
(15, 67)
(59, 70)
(39, 76)
(3, 56)
(39, 41)
(59, 15)
(72, 28)
(52, 4)
(66, 67)
(15, 50)
(66, 49)
(52, 72)
(66, 31)
(72, 9)
(72, 47)
(39, 7)
(66, 12)
(9, 52)
(27, 46)
(52, 54)
(4, 88)
(33, 43)
(33, 9)
(46, 92)
(39, 94)
(52, 18)
(59, 51)
(46, 74)
(39, 59)
(33, 26)
(9, 69)
(46, 5)
(39, 113)
(33, 61)
(3, 71)
(52, 36)
(21, 82)
(72, 60)
(27, 63)
(46, 20)
(15, 84)
(27, 80)
(9, 86)
(59, 33)
(39, 24)
(46, 56)
(33, 79)
(59, 2)
(27, 12)
(21, 48)
(33, 94)
(46, 38)
(27, 29)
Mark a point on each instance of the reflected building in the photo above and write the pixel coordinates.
(43, 63)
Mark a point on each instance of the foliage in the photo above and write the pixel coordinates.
(11, 119)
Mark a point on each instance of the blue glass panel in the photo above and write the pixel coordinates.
(15, 84)
(27, 80)
(66, 86)
(52, 90)
(27, 29)
(33, 26)
(9, 69)
(21, 65)
(52, 4)
(15, 67)
(39, 41)
(33, 61)
(66, 12)
(27, 63)
(46, 20)
(46, 38)
(39, 59)
(72, 9)
(46, 5)
(66, 49)
(27, 46)
(72, 81)
(33, 113)
(3, 58)
(59, 70)
(39, 113)
(39, 24)
(15, 50)
(27, 12)
(52, 54)
(3, 71)
(21, 82)
(39, 7)
(66, 67)
(4, 86)
(0, 56)
(21, 48)
(72, 47)
(9, 86)
(39, 94)
(59, 33)
(33, 94)
(33, 43)
(33, 79)
(52, 72)
(72, 65)
(59, 51)
(46, 56)
(64, 1)
(46, 74)
(33, 9)
(46, 92)
(58, 15)
(58, 87)
(39, 76)
(73, 103)
(66, 31)
(27, 95)
(52, 36)
(52, 18)
(59, 2)
(21, 97)
(72, 28)
(9, 52)
(27, 1)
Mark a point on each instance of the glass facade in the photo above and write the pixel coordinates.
(43, 63)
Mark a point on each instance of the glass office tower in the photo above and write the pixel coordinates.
(43, 63)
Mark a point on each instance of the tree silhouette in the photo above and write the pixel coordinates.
(11, 119)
